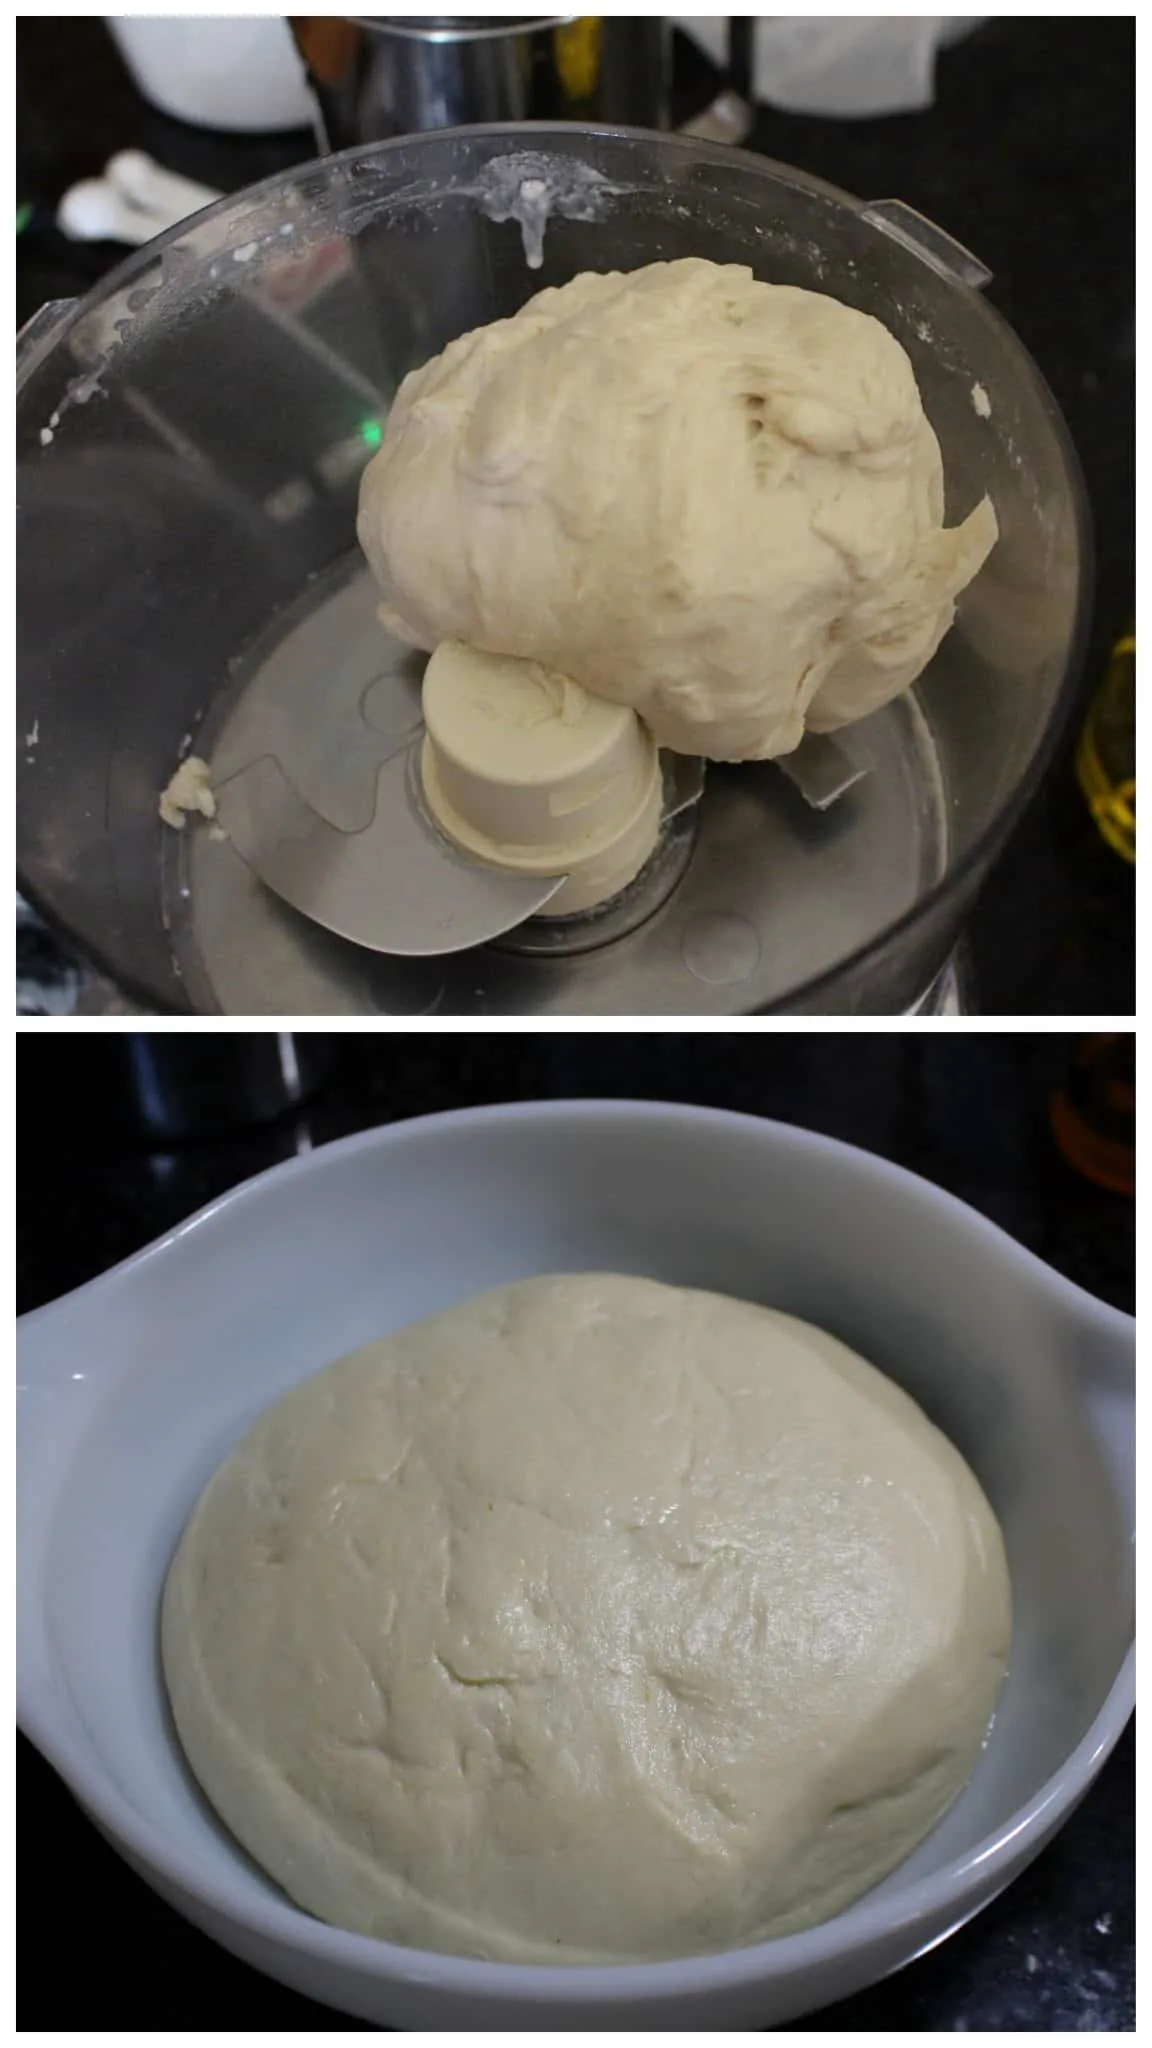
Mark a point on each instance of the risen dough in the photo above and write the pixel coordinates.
(713, 499)
(593, 1619)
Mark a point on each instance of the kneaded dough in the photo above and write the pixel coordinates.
(591, 1620)
(716, 500)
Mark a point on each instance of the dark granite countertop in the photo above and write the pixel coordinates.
(1026, 156)
(1057, 1951)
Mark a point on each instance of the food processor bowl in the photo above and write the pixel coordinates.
(190, 443)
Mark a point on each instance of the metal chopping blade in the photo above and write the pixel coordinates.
(316, 778)
(396, 886)
(821, 770)
(315, 774)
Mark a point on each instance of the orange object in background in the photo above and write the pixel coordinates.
(1094, 1111)
(328, 43)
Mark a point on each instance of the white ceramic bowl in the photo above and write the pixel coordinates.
(136, 1386)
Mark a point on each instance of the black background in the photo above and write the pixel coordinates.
(1026, 157)
(968, 1110)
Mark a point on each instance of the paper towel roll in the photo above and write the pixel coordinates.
(239, 72)
(848, 65)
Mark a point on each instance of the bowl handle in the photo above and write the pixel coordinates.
(33, 339)
(1104, 1356)
(934, 244)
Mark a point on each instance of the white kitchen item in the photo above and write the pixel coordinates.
(238, 71)
(847, 65)
(135, 1387)
(162, 193)
(94, 211)
(134, 200)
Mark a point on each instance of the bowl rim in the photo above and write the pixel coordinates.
(609, 1108)
(967, 1881)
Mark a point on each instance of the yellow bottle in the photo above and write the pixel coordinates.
(1106, 755)
(579, 52)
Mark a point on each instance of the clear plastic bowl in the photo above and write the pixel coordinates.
(190, 440)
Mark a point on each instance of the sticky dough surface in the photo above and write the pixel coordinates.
(714, 499)
(593, 1619)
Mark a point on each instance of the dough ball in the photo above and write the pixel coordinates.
(716, 500)
(592, 1620)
